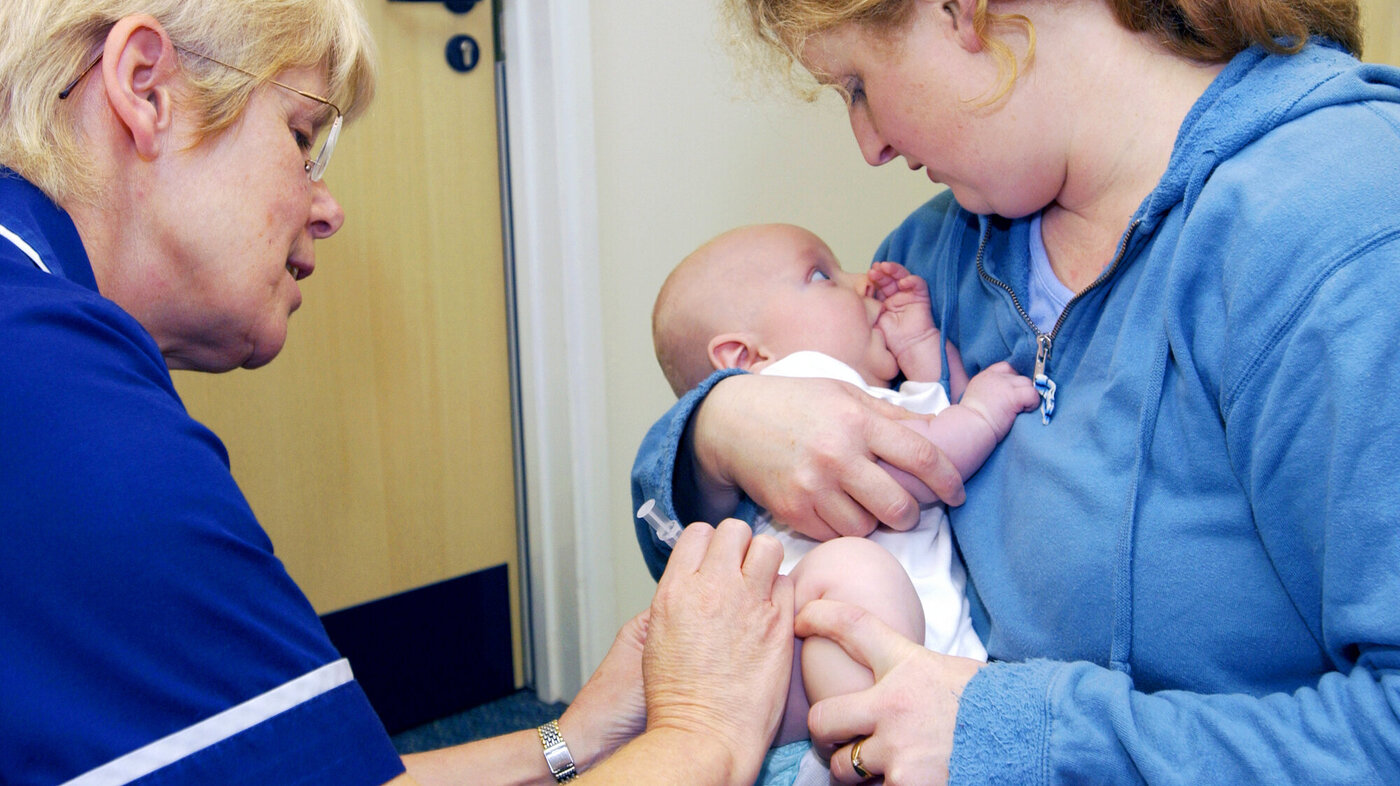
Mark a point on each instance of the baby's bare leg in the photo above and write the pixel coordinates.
(857, 571)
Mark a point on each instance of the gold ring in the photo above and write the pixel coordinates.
(855, 759)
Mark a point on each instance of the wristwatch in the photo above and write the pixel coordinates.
(556, 753)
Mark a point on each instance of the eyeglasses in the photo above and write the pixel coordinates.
(326, 135)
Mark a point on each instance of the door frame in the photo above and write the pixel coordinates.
(553, 248)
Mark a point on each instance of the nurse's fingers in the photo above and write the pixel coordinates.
(690, 548)
(761, 563)
(727, 547)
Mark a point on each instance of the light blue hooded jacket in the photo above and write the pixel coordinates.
(1192, 573)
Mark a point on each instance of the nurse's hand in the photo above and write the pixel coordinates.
(719, 647)
(705, 669)
(805, 450)
(609, 709)
(905, 721)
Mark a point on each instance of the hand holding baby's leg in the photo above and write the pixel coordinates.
(861, 572)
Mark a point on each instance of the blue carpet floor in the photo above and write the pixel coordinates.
(519, 710)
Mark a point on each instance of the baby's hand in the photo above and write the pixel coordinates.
(999, 394)
(906, 318)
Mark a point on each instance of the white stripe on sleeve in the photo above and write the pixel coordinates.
(217, 728)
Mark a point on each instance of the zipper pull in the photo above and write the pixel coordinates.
(1044, 385)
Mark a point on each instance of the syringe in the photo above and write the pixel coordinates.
(666, 529)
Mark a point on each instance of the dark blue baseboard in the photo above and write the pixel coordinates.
(430, 652)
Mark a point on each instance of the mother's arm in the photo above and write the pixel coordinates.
(804, 449)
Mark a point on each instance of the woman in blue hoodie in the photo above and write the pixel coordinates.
(1183, 219)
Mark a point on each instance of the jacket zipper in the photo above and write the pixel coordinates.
(1044, 342)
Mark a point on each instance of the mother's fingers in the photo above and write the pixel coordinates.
(843, 514)
(843, 761)
(902, 447)
(861, 634)
(835, 721)
(876, 496)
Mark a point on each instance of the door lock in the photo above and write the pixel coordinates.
(463, 53)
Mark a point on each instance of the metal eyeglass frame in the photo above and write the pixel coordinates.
(315, 167)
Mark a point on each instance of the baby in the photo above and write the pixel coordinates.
(772, 299)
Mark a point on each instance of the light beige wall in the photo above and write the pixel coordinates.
(683, 154)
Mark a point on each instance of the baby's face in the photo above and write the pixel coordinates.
(810, 303)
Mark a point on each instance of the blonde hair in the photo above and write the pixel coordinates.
(1203, 30)
(44, 44)
(781, 29)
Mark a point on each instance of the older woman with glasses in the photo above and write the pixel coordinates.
(161, 193)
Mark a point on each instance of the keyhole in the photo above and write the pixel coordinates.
(463, 53)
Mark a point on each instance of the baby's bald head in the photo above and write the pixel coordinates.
(705, 295)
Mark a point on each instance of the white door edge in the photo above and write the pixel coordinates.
(553, 186)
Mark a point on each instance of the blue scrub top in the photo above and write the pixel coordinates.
(147, 631)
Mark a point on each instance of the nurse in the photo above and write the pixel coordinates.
(161, 196)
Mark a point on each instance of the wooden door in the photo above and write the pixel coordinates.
(377, 450)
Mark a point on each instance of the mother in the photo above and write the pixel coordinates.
(160, 199)
(1184, 218)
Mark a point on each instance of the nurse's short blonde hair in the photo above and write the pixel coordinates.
(45, 44)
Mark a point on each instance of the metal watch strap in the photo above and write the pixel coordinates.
(556, 753)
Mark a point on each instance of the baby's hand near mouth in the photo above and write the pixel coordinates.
(906, 317)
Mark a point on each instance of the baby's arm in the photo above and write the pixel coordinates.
(968, 431)
(907, 324)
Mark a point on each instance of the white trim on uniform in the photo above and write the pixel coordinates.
(217, 728)
(25, 247)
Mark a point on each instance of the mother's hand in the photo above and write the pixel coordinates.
(719, 644)
(805, 450)
(907, 716)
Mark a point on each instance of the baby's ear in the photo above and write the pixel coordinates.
(735, 350)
